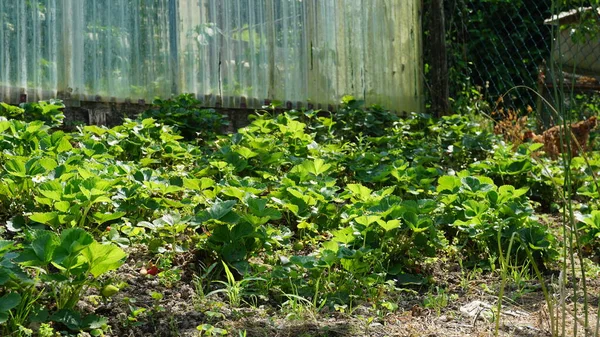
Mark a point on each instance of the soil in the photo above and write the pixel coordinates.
(182, 310)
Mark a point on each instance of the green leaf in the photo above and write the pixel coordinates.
(492, 196)
(99, 131)
(221, 209)
(4, 125)
(246, 152)
(302, 196)
(255, 220)
(518, 167)
(44, 246)
(410, 279)
(411, 218)
(170, 219)
(360, 192)
(241, 230)
(508, 192)
(345, 235)
(62, 206)
(367, 220)
(330, 245)
(355, 265)
(221, 233)
(101, 218)
(103, 258)
(51, 189)
(235, 192)
(471, 183)
(304, 261)
(39, 314)
(68, 317)
(415, 223)
(474, 208)
(6, 245)
(257, 205)
(232, 252)
(46, 218)
(259, 208)
(42, 165)
(328, 257)
(72, 241)
(94, 322)
(592, 220)
(348, 99)
(198, 184)
(9, 301)
(64, 145)
(449, 183)
(16, 167)
(521, 191)
(316, 167)
(389, 225)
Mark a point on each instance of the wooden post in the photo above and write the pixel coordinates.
(439, 60)
(271, 45)
(174, 46)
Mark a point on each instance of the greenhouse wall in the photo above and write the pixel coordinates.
(230, 53)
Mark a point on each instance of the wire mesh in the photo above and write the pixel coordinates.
(497, 45)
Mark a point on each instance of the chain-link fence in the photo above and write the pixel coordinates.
(496, 45)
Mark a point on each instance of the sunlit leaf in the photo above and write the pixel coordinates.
(103, 258)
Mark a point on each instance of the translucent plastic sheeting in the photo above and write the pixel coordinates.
(230, 53)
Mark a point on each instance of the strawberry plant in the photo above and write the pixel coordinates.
(50, 112)
(476, 210)
(352, 119)
(520, 168)
(50, 273)
(186, 115)
(76, 256)
(589, 224)
(332, 208)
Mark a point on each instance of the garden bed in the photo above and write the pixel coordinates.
(354, 223)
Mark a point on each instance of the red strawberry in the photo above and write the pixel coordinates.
(153, 270)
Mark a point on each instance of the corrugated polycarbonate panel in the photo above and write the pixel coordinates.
(29, 48)
(230, 53)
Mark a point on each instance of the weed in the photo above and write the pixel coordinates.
(298, 307)
(209, 330)
(438, 300)
(201, 284)
(234, 290)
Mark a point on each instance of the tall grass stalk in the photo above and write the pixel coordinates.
(571, 240)
(503, 272)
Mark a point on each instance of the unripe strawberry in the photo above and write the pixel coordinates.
(109, 290)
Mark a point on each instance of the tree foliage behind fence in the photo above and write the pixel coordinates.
(495, 45)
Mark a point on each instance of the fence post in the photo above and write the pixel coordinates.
(439, 60)
(64, 77)
(271, 45)
(174, 45)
